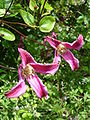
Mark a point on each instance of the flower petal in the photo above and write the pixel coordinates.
(20, 43)
(57, 58)
(53, 42)
(76, 44)
(26, 57)
(16, 91)
(45, 68)
(54, 35)
(37, 86)
(71, 60)
(48, 68)
(19, 72)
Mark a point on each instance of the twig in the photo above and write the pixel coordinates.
(37, 42)
(5, 22)
(48, 48)
(9, 68)
(15, 30)
(58, 87)
(22, 24)
(7, 10)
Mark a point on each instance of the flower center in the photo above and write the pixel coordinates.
(61, 49)
(28, 70)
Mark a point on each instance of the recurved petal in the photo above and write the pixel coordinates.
(25, 57)
(38, 87)
(16, 91)
(57, 58)
(71, 60)
(45, 68)
(20, 73)
(76, 44)
(54, 35)
(53, 42)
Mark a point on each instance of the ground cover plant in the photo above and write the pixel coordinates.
(44, 60)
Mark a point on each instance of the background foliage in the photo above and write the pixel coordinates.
(69, 92)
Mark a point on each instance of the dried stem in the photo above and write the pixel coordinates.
(9, 68)
(5, 22)
(16, 23)
(15, 30)
(37, 42)
(58, 87)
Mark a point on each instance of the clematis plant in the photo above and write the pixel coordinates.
(62, 49)
(28, 69)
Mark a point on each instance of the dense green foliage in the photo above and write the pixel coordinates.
(69, 91)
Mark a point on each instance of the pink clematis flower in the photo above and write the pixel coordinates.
(28, 69)
(63, 49)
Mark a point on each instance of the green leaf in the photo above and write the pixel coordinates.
(12, 15)
(21, 111)
(6, 34)
(38, 114)
(47, 6)
(2, 12)
(7, 3)
(4, 3)
(27, 17)
(75, 2)
(24, 115)
(2, 71)
(47, 23)
(26, 95)
(80, 19)
(32, 5)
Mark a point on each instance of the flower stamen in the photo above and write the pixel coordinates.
(61, 49)
(28, 70)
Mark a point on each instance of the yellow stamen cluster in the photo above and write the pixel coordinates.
(28, 70)
(61, 49)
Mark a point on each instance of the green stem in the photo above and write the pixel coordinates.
(59, 86)
(43, 7)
